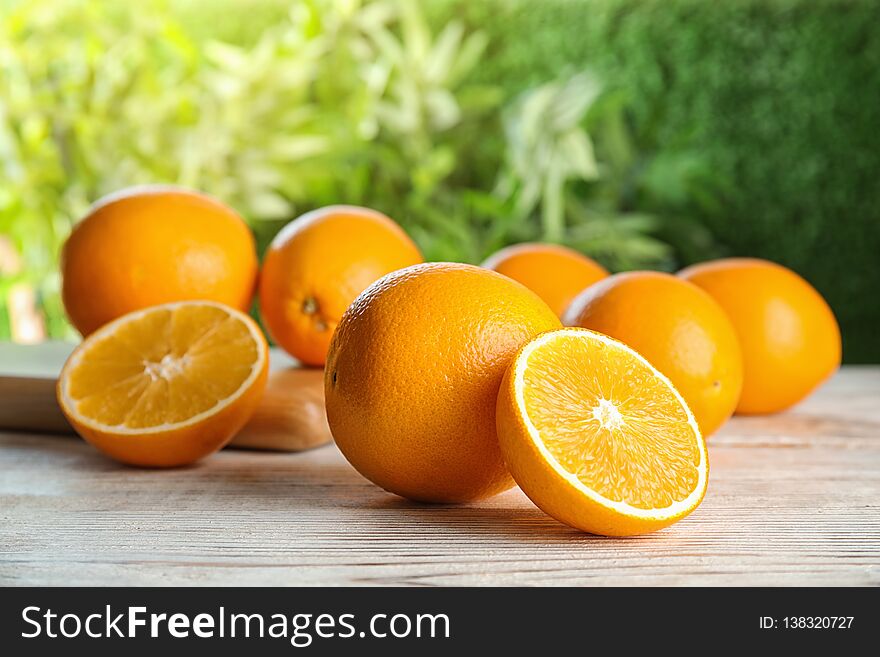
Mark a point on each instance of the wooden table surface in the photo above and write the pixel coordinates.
(793, 500)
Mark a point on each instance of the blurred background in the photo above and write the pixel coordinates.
(647, 134)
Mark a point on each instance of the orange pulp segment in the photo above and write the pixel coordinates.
(597, 437)
(165, 385)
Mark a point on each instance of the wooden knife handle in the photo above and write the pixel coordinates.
(291, 414)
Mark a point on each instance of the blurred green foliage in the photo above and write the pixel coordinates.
(328, 101)
(778, 97)
(645, 133)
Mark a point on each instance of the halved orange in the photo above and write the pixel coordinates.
(597, 437)
(166, 385)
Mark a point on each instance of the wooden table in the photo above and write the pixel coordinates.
(793, 500)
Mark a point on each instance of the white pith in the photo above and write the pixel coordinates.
(168, 367)
(607, 415)
(676, 508)
(157, 370)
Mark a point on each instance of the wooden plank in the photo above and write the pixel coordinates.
(793, 500)
(27, 386)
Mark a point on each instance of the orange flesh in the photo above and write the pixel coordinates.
(608, 419)
(163, 368)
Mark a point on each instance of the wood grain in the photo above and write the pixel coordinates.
(793, 500)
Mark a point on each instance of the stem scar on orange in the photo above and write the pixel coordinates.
(789, 336)
(678, 328)
(149, 245)
(317, 265)
(555, 273)
(412, 378)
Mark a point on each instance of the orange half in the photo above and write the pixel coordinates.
(166, 385)
(597, 437)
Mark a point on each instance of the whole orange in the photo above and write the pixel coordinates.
(413, 374)
(146, 246)
(555, 273)
(678, 328)
(789, 336)
(317, 265)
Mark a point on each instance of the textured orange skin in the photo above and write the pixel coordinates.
(147, 246)
(555, 273)
(326, 258)
(413, 373)
(550, 492)
(166, 449)
(678, 328)
(789, 336)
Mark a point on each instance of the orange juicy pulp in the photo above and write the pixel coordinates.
(162, 367)
(607, 418)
